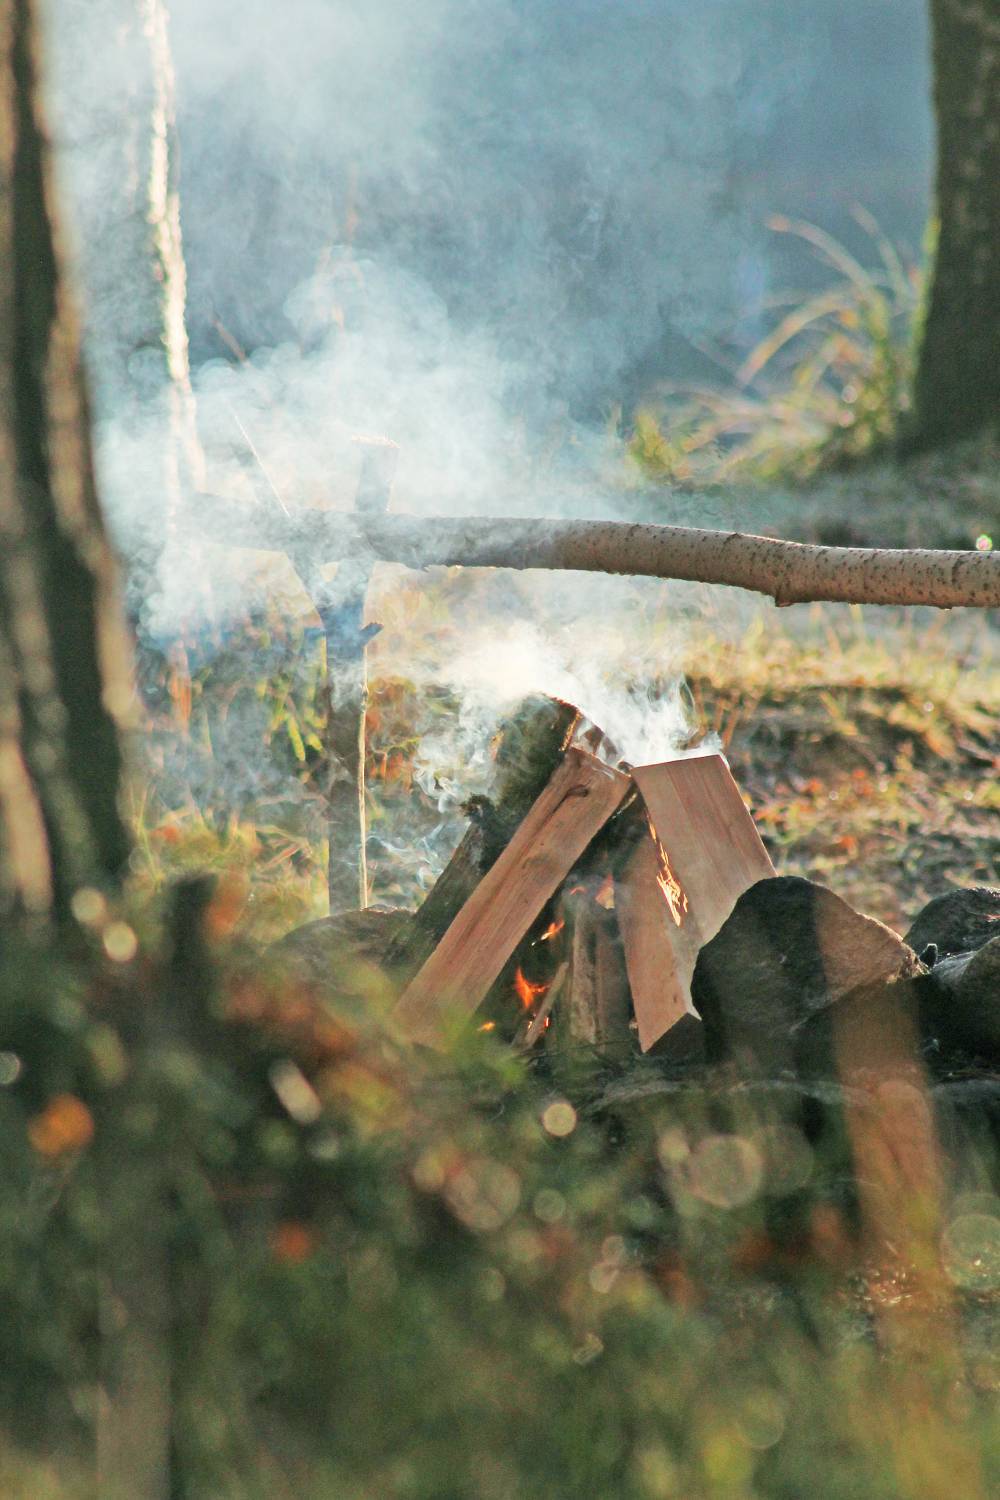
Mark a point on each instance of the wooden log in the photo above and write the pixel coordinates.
(790, 572)
(531, 745)
(575, 805)
(595, 1002)
(660, 996)
(787, 955)
(679, 886)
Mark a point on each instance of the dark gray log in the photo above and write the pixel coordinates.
(956, 922)
(790, 948)
(960, 1009)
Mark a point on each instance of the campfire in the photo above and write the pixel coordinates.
(601, 900)
(589, 894)
(606, 908)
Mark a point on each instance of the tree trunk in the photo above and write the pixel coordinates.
(116, 137)
(957, 385)
(63, 671)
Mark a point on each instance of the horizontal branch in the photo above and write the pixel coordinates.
(790, 572)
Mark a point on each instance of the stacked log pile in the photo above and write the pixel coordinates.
(597, 906)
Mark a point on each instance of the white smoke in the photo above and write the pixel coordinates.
(475, 226)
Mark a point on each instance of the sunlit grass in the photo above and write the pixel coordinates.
(826, 386)
(864, 743)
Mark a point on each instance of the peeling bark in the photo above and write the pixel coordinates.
(790, 572)
(957, 384)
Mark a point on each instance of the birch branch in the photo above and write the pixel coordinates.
(790, 572)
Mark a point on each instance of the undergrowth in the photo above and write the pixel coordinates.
(825, 387)
(284, 1256)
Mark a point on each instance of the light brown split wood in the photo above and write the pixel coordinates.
(575, 805)
(597, 1013)
(679, 886)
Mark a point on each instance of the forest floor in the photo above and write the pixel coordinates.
(865, 740)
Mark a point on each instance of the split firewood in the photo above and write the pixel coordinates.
(595, 1006)
(537, 1024)
(577, 802)
(680, 883)
(790, 572)
(530, 748)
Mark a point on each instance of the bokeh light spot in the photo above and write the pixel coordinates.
(725, 1170)
(971, 1249)
(120, 942)
(559, 1118)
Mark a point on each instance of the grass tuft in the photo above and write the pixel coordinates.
(825, 387)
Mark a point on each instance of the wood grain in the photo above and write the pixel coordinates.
(575, 805)
(680, 885)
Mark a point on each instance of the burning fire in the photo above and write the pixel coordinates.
(527, 992)
(673, 891)
(553, 930)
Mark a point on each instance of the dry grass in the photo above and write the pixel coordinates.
(866, 743)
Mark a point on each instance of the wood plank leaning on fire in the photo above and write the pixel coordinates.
(680, 884)
(790, 572)
(575, 805)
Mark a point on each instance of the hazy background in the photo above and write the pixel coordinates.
(495, 212)
(484, 228)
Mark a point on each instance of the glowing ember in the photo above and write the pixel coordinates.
(488, 1026)
(673, 891)
(527, 992)
(553, 930)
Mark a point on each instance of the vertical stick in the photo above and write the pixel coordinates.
(340, 604)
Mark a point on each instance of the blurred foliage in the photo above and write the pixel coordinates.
(373, 1273)
(825, 387)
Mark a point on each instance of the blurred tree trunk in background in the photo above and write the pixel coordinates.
(116, 137)
(957, 385)
(63, 663)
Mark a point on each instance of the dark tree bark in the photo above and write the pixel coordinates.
(63, 672)
(957, 384)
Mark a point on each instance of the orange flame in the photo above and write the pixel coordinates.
(674, 892)
(527, 992)
(553, 930)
